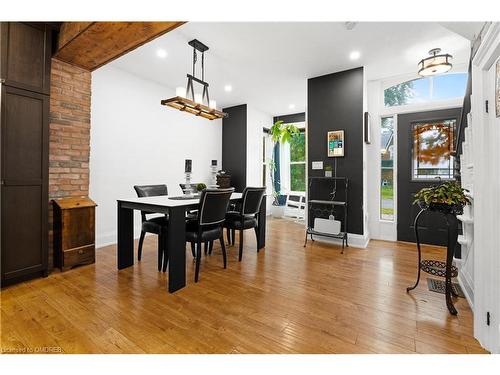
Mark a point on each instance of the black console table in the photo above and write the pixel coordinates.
(435, 267)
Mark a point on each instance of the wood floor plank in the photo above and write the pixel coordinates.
(284, 299)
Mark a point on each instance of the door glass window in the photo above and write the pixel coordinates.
(432, 149)
(387, 169)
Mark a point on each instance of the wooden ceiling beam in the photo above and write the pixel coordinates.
(91, 45)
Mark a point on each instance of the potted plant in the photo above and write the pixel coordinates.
(200, 187)
(280, 133)
(448, 197)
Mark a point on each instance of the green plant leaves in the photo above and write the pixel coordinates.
(283, 133)
(449, 193)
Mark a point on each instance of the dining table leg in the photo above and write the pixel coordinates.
(125, 246)
(261, 237)
(176, 245)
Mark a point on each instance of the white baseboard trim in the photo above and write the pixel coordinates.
(467, 289)
(354, 240)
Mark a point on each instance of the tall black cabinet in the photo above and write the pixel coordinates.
(25, 55)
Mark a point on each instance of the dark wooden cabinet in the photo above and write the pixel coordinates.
(26, 51)
(74, 232)
(24, 140)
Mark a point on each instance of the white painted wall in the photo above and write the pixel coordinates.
(135, 140)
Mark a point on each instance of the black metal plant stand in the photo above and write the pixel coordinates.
(435, 267)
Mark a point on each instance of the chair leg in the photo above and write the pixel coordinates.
(206, 248)
(141, 241)
(211, 245)
(198, 260)
(224, 257)
(228, 234)
(193, 250)
(241, 245)
(160, 252)
(233, 235)
(256, 229)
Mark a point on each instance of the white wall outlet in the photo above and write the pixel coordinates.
(317, 165)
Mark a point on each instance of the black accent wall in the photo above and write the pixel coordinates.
(234, 145)
(335, 102)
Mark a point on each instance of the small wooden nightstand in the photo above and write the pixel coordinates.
(74, 232)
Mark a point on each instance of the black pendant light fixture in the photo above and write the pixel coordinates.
(435, 64)
(186, 100)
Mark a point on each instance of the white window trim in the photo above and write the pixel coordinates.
(268, 144)
(394, 172)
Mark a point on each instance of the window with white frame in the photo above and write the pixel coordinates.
(426, 89)
(293, 163)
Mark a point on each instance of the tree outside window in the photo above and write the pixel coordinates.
(298, 162)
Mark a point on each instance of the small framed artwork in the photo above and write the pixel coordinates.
(497, 89)
(367, 128)
(336, 143)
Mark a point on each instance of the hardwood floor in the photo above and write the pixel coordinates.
(286, 299)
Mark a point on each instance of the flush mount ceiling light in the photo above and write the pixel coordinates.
(186, 100)
(435, 64)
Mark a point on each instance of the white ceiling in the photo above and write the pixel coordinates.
(268, 64)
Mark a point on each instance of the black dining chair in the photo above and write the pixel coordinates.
(155, 225)
(208, 225)
(246, 216)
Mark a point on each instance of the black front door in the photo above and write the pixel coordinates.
(425, 141)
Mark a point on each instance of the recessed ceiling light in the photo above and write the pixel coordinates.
(354, 55)
(228, 88)
(291, 106)
(161, 53)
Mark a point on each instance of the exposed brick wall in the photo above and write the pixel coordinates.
(69, 135)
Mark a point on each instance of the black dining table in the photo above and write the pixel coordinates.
(175, 208)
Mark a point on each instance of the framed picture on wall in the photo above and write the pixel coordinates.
(335, 140)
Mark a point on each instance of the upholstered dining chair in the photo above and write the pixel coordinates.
(155, 225)
(246, 216)
(192, 215)
(207, 226)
